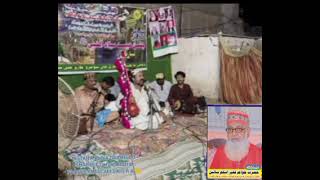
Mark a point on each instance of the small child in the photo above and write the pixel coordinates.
(110, 102)
(109, 112)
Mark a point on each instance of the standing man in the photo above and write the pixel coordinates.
(161, 87)
(238, 152)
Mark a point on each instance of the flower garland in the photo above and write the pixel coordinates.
(124, 84)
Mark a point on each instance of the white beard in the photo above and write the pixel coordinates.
(236, 150)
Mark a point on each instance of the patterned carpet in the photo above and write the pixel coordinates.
(181, 161)
(181, 140)
(117, 139)
(192, 170)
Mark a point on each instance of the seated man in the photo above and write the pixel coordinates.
(181, 96)
(238, 152)
(161, 87)
(109, 85)
(144, 120)
(89, 101)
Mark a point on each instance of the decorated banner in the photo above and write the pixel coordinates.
(91, 37)
(163, 31)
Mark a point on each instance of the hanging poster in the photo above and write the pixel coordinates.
(91, 37)
(163, 31)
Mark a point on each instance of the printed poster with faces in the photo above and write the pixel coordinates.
(163, 31)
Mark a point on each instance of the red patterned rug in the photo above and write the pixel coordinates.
(117, 139)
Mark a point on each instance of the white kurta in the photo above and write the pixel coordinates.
(164, 93)
(115, 89)
(142, 121)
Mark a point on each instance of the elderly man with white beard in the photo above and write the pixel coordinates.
(238, 152)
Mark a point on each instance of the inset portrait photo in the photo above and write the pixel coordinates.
(169, 14)
(154, 28)
(153, 15)
(170, 26)
(163, 27)
(171, 39)
(162, 14)
(234, 142)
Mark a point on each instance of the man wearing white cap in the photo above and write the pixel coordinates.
(144, 120)
(90, 100)
(161, 87)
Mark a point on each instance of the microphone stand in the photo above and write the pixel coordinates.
(151, 103)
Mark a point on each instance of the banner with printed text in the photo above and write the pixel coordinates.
(163, 31)
(91, 37)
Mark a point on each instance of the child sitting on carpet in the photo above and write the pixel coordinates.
(110, 111)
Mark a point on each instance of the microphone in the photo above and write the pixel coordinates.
(148, 88)
(145, 86)
(97, 88)
(98, 91)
